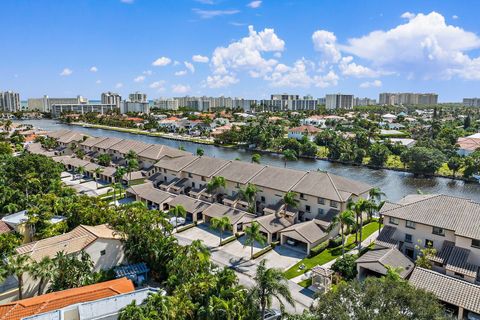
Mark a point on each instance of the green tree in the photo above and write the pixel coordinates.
(344, 219)
(17, 265)
(132, 166)
(270, 283)
(71, 271)
(104, 159)
(422, 160)
(378, 154)
(96, 174)
(200, 152)
(249, 194)
(290, 200)
(289, 155)
(216, 183)
(42, 271)
(256, 158)
(346, 266)
(8, 242)
(221, 224)
(454, 164)
(253, 234)
(5, 148)
(176, 212)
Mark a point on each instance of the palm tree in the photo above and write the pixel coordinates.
(289, 155)
(131, 155)
(17, 265)
(270, 283)
(376, 194)
(290, 200)
(256, 158)
(216, 183)
(344, 219)
(359, 207)
(8, 125)
(253, 234)
(96, 173)
(249, 195)
(30, 180)
(42, 271)
(177, 211)
(221, 224)
(200, 152)
(117, 177)
(132, 166)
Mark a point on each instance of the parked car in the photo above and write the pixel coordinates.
(179, 221)
(291, 242)
(272, 314)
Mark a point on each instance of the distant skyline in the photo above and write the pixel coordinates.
(249, 49)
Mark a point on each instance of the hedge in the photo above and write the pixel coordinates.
(319, 248)
(228, 240)
(335, 242)
(261, 252)
(191, 225)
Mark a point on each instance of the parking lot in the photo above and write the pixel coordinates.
(85, 186)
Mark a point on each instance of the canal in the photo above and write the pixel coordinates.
(395, 184)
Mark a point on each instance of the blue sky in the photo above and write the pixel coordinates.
(240, 48)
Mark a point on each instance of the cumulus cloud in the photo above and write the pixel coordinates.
(370, 84)
(161, 62)
(295, 76)
(181, 73)
(158, 85)
(66, 72)
(408, 15)
(425, 45)
(180, 88)
(200, 59)
(208, 14)
(247, 53)
(139, 79)
(349, 68)
(325, 42)
(255, 4)
(189, 66)
(220, 81)
(93, 69)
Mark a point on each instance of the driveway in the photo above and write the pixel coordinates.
(210, 237)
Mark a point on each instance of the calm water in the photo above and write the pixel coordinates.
(395, 184)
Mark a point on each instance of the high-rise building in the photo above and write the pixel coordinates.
(45, 104)
(137, 97)
(360, 102)
(245, 104)
(9, 101)
(82, 108)
(407, 98)
(339, 101)
(471, 102)
(111, 98)
(166, 104)
(284, 96)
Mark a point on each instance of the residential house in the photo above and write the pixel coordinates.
(303, 131)
(237, 218)
(154, 198)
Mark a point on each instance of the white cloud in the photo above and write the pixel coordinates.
(139, 79)
(176, 63)
(220, 81)
(158, 85)
(296, 76)
(98, 81)
(408, 15)
(255, 4)
(161, 62)
(370, 84)
(425, 45)
(147, 72)
(454, 17)
(189, 66)
(200, 59)
(328, 80)
(127, 1)
(66, 72)
(93, 69)
(349, 68)
(119, 85)
(180, 88)
(325, 42)
(208, 14)
(246, 54)
(181, 73)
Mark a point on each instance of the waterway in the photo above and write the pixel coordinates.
(395, 184)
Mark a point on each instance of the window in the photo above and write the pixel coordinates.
(262, 199)
(428, 243)
(459, 275)
(302, 196)
(410, 224)
(204, 179)
(165, 170)
(476, 243)
(408, 238)
(193, 184)
(333, 204)
(392, 220)
(438, 231)
(320, 211)
(321, 201)
(189, 175)
(238, 185)
(307, 208)
(103, 252)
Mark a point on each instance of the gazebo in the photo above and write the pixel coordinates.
(321, 279)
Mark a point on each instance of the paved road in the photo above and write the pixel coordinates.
(245, 271)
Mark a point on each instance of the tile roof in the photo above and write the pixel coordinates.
(206, 166)
(305, 128)
(148, 192)
(443, 211)
(72, 136)
(470, 144)
(57, 134)
(281, 179)
(385, 237)
(379, 259)
(190, 204)
(56, 300)
(107, 143)
(74, 241)
(273, 223)
(158, 151)
(311, 231)
(217, 210)
(90, 142)
(126, 146)
(240, 171)
(176, 164)
(448, 289)
(4, 228)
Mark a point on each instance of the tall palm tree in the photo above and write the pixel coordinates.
(344, 219)
(117, 177)
(80, 171)
(132, 166)
(17, 265)
(270, 283)
(216, 183)
(249, 195)
(42, 271)
(177, 211)
(31, 180)
(131, 155)
(256, 158)
(221, 224)
(290, 200)
(289, 155)
(376, 194)
(253, 234)
(96, 174)
(359, 207)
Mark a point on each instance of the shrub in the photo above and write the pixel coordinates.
(346, 266)
(319, 248)
(228, 240)
(335, 242)
(262, 252)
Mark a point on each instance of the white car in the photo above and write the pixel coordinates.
(272, 314)
(179, 221)
(291, 242)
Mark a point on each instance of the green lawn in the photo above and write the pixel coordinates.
(330, 254)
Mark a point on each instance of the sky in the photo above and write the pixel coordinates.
(240, 48)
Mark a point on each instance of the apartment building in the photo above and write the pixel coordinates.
(45, 103)
(111, 98)
(360, 102)
(245, 104)
(471, 102)
(407, 98)
(9, 101)
(166, 104)
(449, 224)
(58, 109)
(339, 101)
(137, 97)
